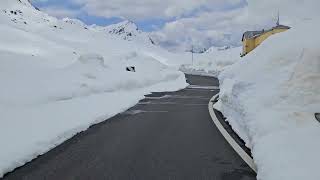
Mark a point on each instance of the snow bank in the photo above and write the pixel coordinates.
(213, 62)
(58, 77)
(270, 98)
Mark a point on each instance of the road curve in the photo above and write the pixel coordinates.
(167, 136)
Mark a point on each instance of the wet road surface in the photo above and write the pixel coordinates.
(167, 136)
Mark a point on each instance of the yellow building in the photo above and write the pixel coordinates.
(252, 39)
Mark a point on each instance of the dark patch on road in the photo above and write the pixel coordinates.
(169, 138)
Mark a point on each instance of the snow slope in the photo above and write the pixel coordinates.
(129, 31)
(58, 77)
(213, 61)
(270, 98)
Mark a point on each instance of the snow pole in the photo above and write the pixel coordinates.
(192, 54)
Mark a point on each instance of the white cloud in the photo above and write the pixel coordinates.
(200, 22)
(205, 29)
(226, 27)
(291, 11)
(147, 9)
(60, 12)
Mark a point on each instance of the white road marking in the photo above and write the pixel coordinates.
(194, 104)
(203, 87)
(161, 97)
(169, 103)
(134, 112)
(229, 139)
(150, 103)
(198, 89)
(176, 97)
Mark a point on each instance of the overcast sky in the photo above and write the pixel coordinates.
(180, 23)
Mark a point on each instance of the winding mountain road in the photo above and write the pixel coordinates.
(167, 136)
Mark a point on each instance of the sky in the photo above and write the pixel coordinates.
(179, 24)
(143, 13)
(175, 24)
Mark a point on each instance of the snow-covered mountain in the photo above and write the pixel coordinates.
(126, 30)
(129, 31)
(58, 77)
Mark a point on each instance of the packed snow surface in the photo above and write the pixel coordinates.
(58, 77)
(212, 62)
(271, 97)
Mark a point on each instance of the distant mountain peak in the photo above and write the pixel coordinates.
(129, 31)
(26, 2)
(126, 28)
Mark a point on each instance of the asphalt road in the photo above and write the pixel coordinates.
(167, 136)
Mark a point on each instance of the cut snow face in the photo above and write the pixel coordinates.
(270, 98)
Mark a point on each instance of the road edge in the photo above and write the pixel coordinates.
(228, 137)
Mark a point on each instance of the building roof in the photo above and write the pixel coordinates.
(281, 27)
(251, 34)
